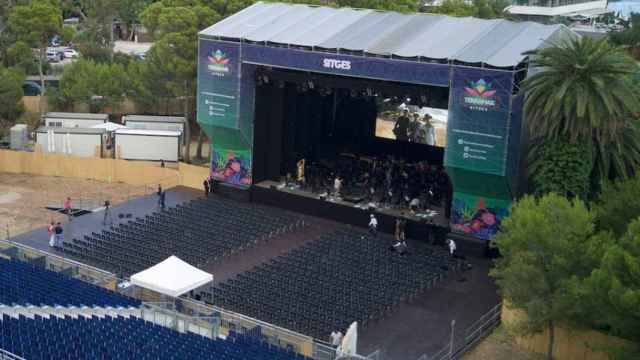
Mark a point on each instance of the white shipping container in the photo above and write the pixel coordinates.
(74, 120)
(146, 122)
(83, 142)
(154, 145)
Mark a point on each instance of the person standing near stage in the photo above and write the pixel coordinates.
(401, 128)
(205, 183)
(162, 199)
(403, 228)
(452, 247)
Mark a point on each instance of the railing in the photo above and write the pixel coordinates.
(179, 313)
(5, 355)
(472, 335)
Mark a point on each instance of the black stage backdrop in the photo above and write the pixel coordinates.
(293, 123)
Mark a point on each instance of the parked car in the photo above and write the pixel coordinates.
(31, 88)
(54, 55)
(70, 53)
(140, 55)
(55, 41)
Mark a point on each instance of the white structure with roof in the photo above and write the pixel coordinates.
(73, 120)
(83, 142)
(172, 277)
(152, 145)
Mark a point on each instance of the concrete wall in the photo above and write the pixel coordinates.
(107, 170)
(568, 345)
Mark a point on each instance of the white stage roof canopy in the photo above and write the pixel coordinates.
(496, 42)
(172, 277)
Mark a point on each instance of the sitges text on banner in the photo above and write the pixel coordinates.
(336, 64)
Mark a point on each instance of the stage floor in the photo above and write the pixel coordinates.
(438, 219)
(85, 224)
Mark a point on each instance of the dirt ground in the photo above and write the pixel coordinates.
(23, 199)
(500, 346)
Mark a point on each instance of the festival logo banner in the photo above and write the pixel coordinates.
(219, 114)
(477, 129)
(218, 79)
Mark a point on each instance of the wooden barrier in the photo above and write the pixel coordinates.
(106, 170)
(569, 344)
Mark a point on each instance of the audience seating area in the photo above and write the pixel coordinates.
(54, 338)
(24, 284)
(199, 232)
(342, 277)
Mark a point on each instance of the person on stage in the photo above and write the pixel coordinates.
(414, 126)
(337, 185)
(401, 128)
(430, 131)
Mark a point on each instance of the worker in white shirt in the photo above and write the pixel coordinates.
(336, 338)
(373, 225)
(452, 247)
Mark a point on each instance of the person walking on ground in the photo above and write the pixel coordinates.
(373, 225)
(205, 183)
(161, 163)
(51, 232)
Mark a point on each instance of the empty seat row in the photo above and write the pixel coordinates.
(25, 284)
(339, 278)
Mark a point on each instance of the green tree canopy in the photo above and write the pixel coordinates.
(582, 91)
(546, 246)
(35, 24)
(11, 106)
(562, 167)
(616, 206)
(94, 84)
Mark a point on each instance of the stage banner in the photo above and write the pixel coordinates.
(477, 216)
(480, 202)
(219, 86)
(478, 123)
(218, 83)
(348, 65)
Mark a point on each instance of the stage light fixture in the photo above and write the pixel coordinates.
(265, 79)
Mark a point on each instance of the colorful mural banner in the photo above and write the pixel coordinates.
(218, 84)
(478, 123)
(476, 215)
(231, 166)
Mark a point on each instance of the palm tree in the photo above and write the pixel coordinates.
(583, 93)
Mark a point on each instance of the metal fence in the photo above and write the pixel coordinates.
(5, 355)
(178, 313)
(472, 335)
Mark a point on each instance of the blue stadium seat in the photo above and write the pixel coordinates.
(124, 338)
(25, 284)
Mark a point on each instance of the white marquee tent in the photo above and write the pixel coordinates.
(172, 277)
